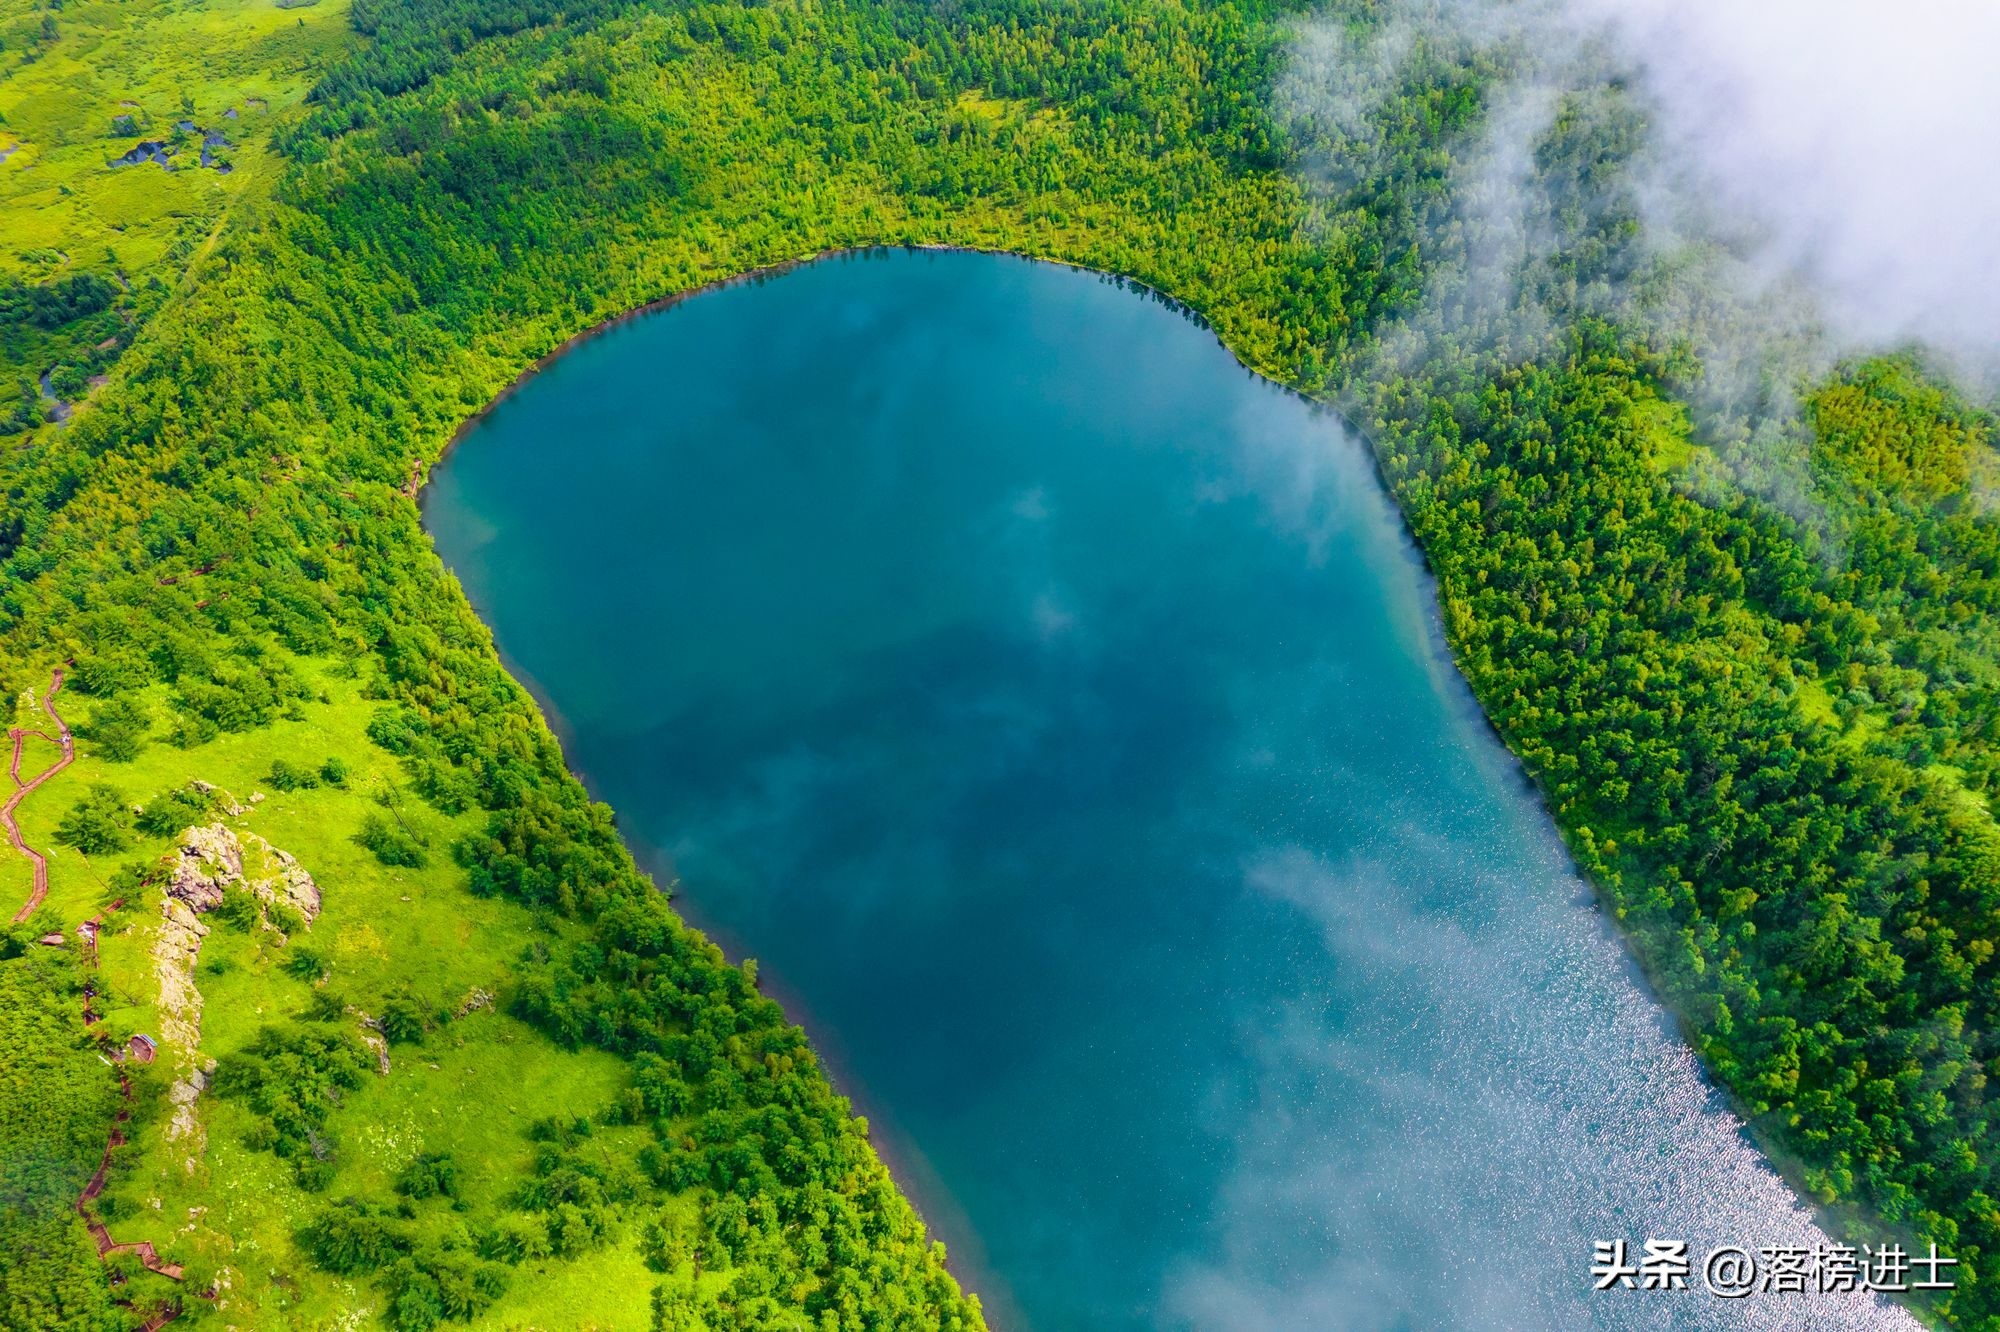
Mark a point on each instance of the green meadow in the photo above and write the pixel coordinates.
(117, 72)
(83, 84)
(470, 1087)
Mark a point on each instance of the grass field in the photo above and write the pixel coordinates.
(154, 63)
(81, 85)
(471, 1087)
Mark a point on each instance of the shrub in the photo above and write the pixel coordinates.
(168, 814)
(664, 1245)
(419, 1303)
(117, 730)
(392, 845)
(237, 909)
(351, 1238)
(99, 823)
(325, 1006)
(576, 1228)
(304, 962)
(286, 777)
(562, 1130)
(402, 1020)
(432, 1175)
(516, 1238)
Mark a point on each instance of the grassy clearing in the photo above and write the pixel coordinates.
(1669, 432)
(1815, 703)
(121, 71)
(471, 1087)
(83, 85)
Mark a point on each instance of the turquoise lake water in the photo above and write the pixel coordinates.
(1055, 711)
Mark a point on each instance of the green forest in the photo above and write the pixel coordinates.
(1767, 730)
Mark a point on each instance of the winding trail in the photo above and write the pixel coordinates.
(106, 1246)
(24, 789)
(149, 1257)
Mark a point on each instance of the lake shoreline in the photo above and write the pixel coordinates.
(1459, 691)
(1463, 697)
(915, 1179)
(766, 272)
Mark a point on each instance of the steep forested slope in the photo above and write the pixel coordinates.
(1765, 728)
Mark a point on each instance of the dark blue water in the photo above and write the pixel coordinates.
(1055, 711)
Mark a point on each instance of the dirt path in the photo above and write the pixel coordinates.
(25, 789)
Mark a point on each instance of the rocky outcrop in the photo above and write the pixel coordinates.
(212, 860)
(372, 1037)
(223, 800)
(209, 860)
(286, 882)
(208, 864)
(176, 948)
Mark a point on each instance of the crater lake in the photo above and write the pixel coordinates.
(1058, 713)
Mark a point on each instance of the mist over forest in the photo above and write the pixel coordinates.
(1824, 165)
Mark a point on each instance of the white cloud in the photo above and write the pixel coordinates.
(1864, 138)
(1839, 141)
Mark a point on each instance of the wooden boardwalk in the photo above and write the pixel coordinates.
(23, 790)
(149, 1257)
(106, 1246)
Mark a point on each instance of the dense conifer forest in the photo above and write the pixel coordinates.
(1744, 641)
